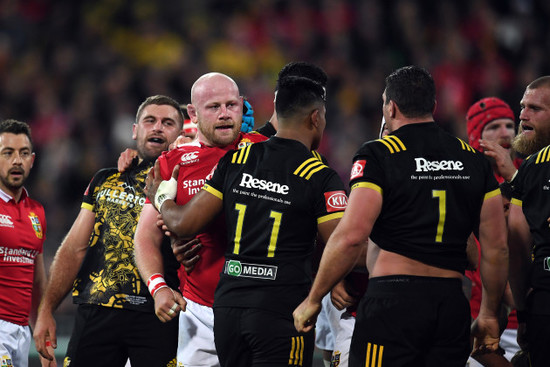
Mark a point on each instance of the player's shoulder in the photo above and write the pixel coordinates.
(539, 158)
(389, 144)
(250, 138)
(311, 164)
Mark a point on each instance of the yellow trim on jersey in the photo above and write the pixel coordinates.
(516, 202)
(387, 145)
(491, 194)
(368, 185)
(241, 155)
(374, 355)
(309, 167)
(90, 207)
(466, 146)
(543, 156)
(317, 155)
(296, 357)
(326, 218)
(395, 142)
(213, 191)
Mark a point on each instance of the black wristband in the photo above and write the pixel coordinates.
(522, 316)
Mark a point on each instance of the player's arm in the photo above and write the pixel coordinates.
(182, 220)
(147, 251)
(519, 242)
(63, 271)
(39, 285)
(341, 252)
(494, 273)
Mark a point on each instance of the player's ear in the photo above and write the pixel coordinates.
(192, 112)
(392, 108)
(315, 118)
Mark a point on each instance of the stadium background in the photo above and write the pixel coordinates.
(76, 71)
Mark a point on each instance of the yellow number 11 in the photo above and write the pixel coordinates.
(277, 217)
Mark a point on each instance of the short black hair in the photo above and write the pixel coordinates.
(15, 127)
(543, 81)
(296, 93)
(302, 69)
(160, 100)
(412, 88)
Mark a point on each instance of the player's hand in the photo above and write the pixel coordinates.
(125, 159)
(305, 315)
(44, 335)
(485, 330)
(157, 189)
(342, 297)
(187, 252)
(248, 117)
(168, 304)
(503, 161)
(180, 140)
(44, 362)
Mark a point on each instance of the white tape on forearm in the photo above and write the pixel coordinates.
(167, 190)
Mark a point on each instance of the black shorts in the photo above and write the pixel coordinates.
(412, 321)
(254, 337)
(106, 336)
(538, 327)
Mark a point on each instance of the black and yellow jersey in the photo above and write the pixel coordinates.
(433, 186)
(108, 275)
(532, 192)
(274, 193)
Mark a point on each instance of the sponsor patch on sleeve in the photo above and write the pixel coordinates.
(358, 169)
(336, 201)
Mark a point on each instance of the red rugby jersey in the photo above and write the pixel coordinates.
(22, 234)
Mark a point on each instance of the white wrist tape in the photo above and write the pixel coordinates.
(156, 282)
(167, 190)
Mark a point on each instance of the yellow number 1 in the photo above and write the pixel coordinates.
(440, 194)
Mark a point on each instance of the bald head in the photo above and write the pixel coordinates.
(217, 109)
(212, 83)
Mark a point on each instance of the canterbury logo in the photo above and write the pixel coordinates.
(393, 143)
(5, 220)
(241, 155)
(189, 157)
(374, 355)
(466, 146)
(543, 156)
(297, 351)
(309, 167)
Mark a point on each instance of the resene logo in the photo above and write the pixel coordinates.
(251, 182)
(424, 165)
(258, 271)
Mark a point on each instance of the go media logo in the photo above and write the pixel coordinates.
(546, 263)
(258, 271)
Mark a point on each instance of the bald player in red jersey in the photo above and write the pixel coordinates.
(216, 107)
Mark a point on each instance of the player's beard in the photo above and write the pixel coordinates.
(526, 146)
(13, 185)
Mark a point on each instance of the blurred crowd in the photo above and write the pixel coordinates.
(76, 71)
